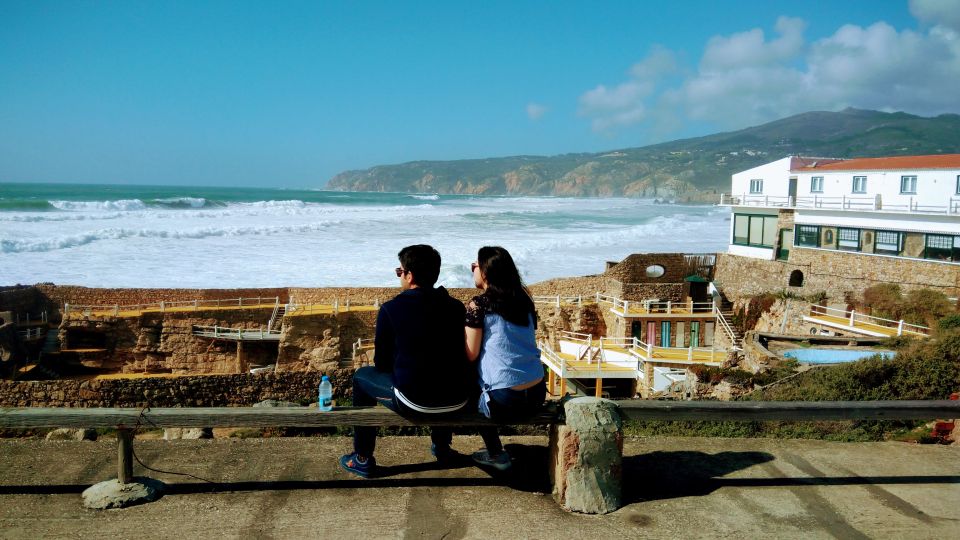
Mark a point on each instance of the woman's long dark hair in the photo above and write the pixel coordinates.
(505, 290)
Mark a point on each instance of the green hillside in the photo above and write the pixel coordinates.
(688, 169)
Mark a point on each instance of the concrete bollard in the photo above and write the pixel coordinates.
(587, 457)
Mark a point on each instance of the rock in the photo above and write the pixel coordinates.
(113, 494)
(72, 434)
(587, 457)
(170, 434)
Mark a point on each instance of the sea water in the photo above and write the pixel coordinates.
(168, 236)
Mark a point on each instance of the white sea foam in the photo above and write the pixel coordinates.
(433, 197)
(126, 204)
(351, 243)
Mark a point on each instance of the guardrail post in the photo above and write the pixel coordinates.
(853, 312)
(669, 307)
(649, 351)
(347, 305)
(558, 300)
(690, 354)
(116, 310)
(900, 328)
(196, 304)
(336, 306)
(625, 307)
(579, 300)
(161, 306)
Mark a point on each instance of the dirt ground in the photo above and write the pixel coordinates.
(674, 487)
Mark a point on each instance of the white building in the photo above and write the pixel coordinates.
(907, 207)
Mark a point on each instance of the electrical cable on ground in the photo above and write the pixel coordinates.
(137, 427)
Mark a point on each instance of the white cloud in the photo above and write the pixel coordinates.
(937, 12)
(535, 111)
(748, 78)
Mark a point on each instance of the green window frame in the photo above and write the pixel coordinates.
(754, 230)
(942, 247)
(848, 239)
(888, 242)
(806, 235)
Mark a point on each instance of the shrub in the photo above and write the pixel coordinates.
(884, 300)
(949, 322)
(925, 306)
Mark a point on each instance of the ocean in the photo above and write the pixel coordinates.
(186, 237)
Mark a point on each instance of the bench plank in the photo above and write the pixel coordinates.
(182, 417)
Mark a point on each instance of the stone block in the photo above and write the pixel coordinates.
(113, 494)
(170, 434)
(587, 457)
(72, 434)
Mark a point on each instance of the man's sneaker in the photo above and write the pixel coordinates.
(353, 463)
(445, 455)
(500, 462)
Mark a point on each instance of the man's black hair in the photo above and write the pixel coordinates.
(423, 261)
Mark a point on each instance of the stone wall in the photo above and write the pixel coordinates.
(319, 342)
(183, 391)
(633, 269)
(838, 274)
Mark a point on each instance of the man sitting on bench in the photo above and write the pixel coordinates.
(420, 365)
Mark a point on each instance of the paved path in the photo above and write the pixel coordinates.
(676, 488)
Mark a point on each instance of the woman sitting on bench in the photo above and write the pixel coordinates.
(500, 330)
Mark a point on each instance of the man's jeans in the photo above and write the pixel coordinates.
(370, 387)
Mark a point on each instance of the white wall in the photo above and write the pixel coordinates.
(747, 251)
(775, 176)
(934, 188)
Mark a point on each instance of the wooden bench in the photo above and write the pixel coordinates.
(126, 420)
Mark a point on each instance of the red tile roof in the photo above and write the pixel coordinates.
(938, 161)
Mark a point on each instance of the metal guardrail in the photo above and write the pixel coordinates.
(164, 305)
(872, 203)
(236, 334)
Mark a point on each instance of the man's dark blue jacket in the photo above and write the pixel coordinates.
(420, 339)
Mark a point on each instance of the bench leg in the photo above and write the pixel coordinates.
(124, 455)
(125, 490)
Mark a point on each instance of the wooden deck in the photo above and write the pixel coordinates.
(859, 327)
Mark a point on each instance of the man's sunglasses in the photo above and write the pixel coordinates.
(400, 271)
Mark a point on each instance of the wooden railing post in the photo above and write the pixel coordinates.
(900, 328)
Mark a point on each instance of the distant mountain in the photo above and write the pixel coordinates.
(687, 169)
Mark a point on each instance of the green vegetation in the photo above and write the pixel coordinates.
(919, 306)
(674, 169)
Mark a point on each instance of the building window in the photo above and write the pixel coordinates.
(908, 184)
(848, 239)
(888, 243)
(757, 231)
(942, 247)
(859, 184)
(807, 235)
(816, 184)
(756, 186)
(958, 184)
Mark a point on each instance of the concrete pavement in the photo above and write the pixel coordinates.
(675, 487)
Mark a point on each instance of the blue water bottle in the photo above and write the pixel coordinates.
(325, 400)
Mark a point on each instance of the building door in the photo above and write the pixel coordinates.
(695, 333)
(786, 242)
(665, 333)
(636, 330)
(708, 334)
(651, 332)
(680, 333)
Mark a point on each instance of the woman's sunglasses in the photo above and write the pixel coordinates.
(474, 266)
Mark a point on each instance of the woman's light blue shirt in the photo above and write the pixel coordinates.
(508, 356)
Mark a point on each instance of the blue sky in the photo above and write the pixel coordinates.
(290, 93)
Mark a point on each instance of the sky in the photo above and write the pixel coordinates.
(288, 94)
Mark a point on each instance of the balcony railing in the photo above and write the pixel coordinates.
(906, 204)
